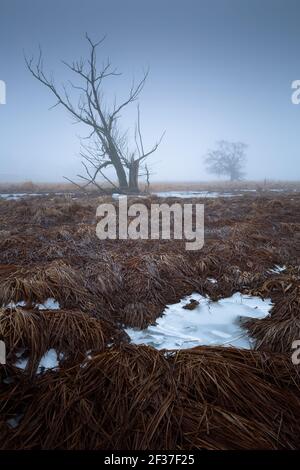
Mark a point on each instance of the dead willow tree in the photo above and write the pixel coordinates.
(109, 146)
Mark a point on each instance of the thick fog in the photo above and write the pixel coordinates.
(219, 69)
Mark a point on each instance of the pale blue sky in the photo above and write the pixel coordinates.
(219, 69)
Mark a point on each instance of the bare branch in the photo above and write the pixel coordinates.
(84, 100)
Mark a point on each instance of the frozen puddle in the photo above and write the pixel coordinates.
(50, 360)
(17, 196)
(210, 323)
(182, 194)
(190, 194)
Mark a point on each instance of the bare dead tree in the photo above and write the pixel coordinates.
(108, 147)
(228, 159)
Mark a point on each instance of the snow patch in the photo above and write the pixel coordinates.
(277, 269)
(16, 196)
(50, 360)
(210, 323)
(190, 194)
(22, 363)
(49, 304)
(182, 194)
(15, 421)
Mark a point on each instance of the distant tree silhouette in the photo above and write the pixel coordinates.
(228, 159)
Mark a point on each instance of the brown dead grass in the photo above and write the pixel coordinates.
(135, 397)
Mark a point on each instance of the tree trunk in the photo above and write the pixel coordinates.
(134, 176)
(116, 161)
(123, 184)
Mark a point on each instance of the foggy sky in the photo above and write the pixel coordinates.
(219, 69)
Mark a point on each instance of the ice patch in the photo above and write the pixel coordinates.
(50, 360)
(49, 304)
(16, 196)
(181, 194)
(210, 323)
(118, 196)
(277, 269)
(191, 194)
(14, 422)
(122, 196)
(22, 363)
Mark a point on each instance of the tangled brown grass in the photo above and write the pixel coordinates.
(135, 397)
(108, 394)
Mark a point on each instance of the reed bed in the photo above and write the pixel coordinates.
(274, 335)
(73, 334)
(134, 397)
(109, 394)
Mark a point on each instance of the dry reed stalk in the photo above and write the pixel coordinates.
(274, 335)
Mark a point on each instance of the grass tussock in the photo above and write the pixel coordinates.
(274, 335)
(108, 394)
(73, 334)
(136, 397)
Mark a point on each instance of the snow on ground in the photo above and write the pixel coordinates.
(163, 194)
(200, 194)
(277, 269)
(16, 196)
(50, 360)
(49, 304)
(182, 194)
(189, 194)
(210, 323)
(15, 421)
(22, 363)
